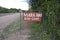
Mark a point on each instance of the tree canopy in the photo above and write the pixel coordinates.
(51, 12)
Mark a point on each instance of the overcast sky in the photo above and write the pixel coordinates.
(22, 4)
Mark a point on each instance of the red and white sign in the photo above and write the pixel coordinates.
(32, 16)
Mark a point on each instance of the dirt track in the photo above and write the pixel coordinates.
(7, 20)
(22, 34)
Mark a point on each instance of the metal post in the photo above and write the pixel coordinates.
(42, 26)
(20, 22)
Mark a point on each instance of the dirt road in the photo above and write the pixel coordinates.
(22, 34)
(7, 20)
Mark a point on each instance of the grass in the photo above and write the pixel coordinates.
(35, 31)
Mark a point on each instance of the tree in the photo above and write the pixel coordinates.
(51, 9)
(6, 10)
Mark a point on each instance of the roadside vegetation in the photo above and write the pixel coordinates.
(49, 28)
(11, 10)
(36, 31)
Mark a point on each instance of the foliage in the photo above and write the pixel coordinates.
(11, 10)
(51, 23)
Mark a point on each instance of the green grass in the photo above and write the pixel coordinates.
(35, 31)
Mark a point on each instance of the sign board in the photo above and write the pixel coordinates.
(32, 16)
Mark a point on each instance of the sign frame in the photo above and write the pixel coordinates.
(32, 16)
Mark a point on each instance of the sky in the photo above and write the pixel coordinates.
(19, 4)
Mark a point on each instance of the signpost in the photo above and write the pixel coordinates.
(35, 17)
(32, 16)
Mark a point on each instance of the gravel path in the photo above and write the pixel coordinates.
(22, 34)
(7, 20)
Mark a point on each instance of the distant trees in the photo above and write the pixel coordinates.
(6, 10)
(3, 10)
(14, 10)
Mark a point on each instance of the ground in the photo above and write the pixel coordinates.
(24, 31)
